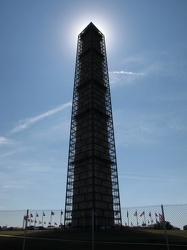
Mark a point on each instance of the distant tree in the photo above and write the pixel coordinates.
(185, 227)
(168, 225)
(160, 225)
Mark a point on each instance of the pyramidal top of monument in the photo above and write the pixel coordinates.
(91, 26)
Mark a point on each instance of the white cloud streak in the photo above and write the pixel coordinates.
(122, 72)
(5, 141)
(28, 122)
(151, 178)
(122, 77)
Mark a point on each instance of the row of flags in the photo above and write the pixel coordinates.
(40, 222)
(150, 215)
(43, 214)
(30, 219)
(158, 217)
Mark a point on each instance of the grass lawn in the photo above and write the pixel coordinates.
(82, 240)
(180, 233)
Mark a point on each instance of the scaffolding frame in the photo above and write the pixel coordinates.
(91, 76)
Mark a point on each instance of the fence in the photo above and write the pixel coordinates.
(164, 226)
(131, 216)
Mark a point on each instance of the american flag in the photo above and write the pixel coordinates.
(143, 213)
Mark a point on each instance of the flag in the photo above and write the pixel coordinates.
(28, 220)
(37, 215)
(61, 212)
(143, 213)
(31, 215)
(150, 214)
(136, 214)
(52, 213)
(43, 214)
(31, 220)
(161, 217)
(156, 214)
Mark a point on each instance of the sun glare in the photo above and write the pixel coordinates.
(76, 22)
(79, 25)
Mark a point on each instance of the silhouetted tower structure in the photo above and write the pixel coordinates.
(92, 191)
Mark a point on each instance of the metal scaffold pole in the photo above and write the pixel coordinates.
(26, 219)
(164, 225)
(93, 229)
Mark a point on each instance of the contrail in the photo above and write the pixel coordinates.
(28, 122)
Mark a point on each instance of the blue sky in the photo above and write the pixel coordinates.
(147, 51)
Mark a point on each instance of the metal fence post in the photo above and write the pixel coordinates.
(93, 222)
(26, 219)
(164, 225)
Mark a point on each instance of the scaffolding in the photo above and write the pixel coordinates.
(92, 187)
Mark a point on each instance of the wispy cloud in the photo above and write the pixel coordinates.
(5, 141)
(117, 77)
(149, 63)
(28, 122)
(126, 175)
(139, 131)
(11, 186)
(127, 73)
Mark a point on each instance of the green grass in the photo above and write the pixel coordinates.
(15, 233)
(180, 233)
(82, 240)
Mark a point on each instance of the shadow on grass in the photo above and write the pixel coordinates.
(109, 240)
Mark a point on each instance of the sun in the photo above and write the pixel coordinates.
(77, 22)
(77, 26)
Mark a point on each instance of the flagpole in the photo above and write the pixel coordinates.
(144, 218)
(51, 218)
(60, 217)
(35, 220)
(137, 217)
(30, 221)
(156, 217)
(42, 218)
(128, 217)
(136, 214)
(150, 215)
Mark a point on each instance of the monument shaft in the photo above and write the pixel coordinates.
(92, 178)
